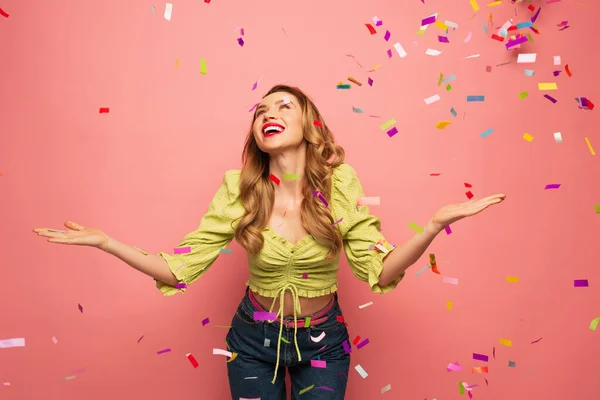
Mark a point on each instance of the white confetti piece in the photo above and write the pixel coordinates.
(451, 24)
(251, 377)
(432, 99)
(471, 56)
(54, 339)
(526, 58)
(366, 305)
(400, 50)
(447, 279)
(361, 371)
(558, 137)
(318, 338)
(221, 352)
(267, 342)
(386, 388)
(433, 52)
(168, 11)
(468, 38)
(17, 342)
(557, 60)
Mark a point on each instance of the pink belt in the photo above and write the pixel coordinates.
(303, 322)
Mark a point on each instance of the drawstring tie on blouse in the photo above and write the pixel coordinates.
(281, 293)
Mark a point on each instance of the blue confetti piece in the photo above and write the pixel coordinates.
(423, 270)
(453, 111)
(486, 133)
(475, 98)
(449, 79)
(522, 25)
(529, 72)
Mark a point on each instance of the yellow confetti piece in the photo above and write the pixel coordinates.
(474, 5)
(415, 227)
(449, 305)
(203, 66)
(443, 124)
(547, 86)
(388, 124)
(233, 357)
(512, 279)
(307, 389)
(441, 25)
(597, 207)
(506, 342)
(528, 137)
(590, 146)
(176, 62)
(494, 4)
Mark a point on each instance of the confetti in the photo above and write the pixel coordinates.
(386, 388)
(318, 363)
(480, 370)
(203, 66)
(594, 323)
(362, 344)
(54, 340)
(442, 124)
(168, 11)
(415, 227)
(400, 50)
(547, 86)
(3, 13)
(526, 58)
(370, 82)
(453, 112)
(590, 146)
(428, 20)
(291, 177)
(104, 110)
(512, 364)
(558, 137)
(443, 39)
(535, 341)
(318, 338)
(474, 5)
(522, 95)
(528, 137)
(361, 371)
(192, 360)
(8, 343)
(512, 279)
(365, 305)
(225, 251)
(221, 352)
(580, 283)
(506, 342)
(140, 339)
(552, 186)
(357, 110)
(529, 72)
(476, 98)
(452, 281)
(305, 389)
(432, 99)
(552, 99)
(449, 305)
(568, 70)
(164, 351)
(342, 86)
(264, 316)
(274, 178)
(387, 35)
(371, 29)
(480, 357)
(486, 133)
(453, 367)
(368, 201)
(182, 250)
(240, 42)
(468, 38)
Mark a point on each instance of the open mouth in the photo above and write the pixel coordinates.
(271, 129)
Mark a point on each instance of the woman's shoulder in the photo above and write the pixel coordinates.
(343, 175)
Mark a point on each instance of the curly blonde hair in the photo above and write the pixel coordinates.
(257, 191)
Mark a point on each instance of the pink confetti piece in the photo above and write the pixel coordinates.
(448, 230)
(253, 107)
(304, 275)
(337, 222)
(182, 250)
(453, 367)
(325, 388)
(164, 351)
(264, 316)
(318, 363)
(180, 285)
(428, 20)
(448, 279)
(468, 38)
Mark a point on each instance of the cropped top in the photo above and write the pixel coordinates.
(281, 266)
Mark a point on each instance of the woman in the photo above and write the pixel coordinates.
(294, 206)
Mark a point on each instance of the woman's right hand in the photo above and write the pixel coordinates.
(77, 235)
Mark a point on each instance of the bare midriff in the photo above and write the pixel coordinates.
(307, 305)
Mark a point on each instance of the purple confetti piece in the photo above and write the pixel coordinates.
(379, 23)
(472, 386)
(535, 17)
(480, 357)
(370, 82)
(362, 344)
(253, 107)
(255, 85)
(182, 250)
(392, 132)
(562, 29)
(264, 316)
(180, 285)
(163, 351)
(486, 381)
(443, 39)
(241, 42)
(304, 275)
(552, 186)
(552, 99)
(387, 35)
(557, 72)
(535, 341)
(389, 53)
(584, 102)
(448, 230)
(242, 31)
(205, 321)
(580, 283)
(139, 340)
(325, 388)
(320, 196)
(494, 352)
(516, 42)
(347, 347)
(337, 222)
(428, 20)
(80, 307)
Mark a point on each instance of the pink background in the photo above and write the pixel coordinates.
(146, 171)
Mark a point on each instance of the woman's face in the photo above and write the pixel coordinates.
(278, 123)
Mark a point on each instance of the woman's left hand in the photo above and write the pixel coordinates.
(453, 212)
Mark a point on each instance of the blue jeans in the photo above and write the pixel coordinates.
(251, 372)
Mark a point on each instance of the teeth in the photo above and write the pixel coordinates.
(272, 129)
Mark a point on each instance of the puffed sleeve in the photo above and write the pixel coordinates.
(360, 231)
(214, 233)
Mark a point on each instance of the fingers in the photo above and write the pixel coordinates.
(73, 225)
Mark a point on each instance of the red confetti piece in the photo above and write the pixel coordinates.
(469, 194)
(274, 179)
(356, 339)
(190, 356)
(468, 185)
(371, 29)
(104, 110)
(317, 123)
(531, 7)
(207, 1)
(340, 318)
(568, 70)
(435, 174)
(480, 370)
(498, 38)
(3, 13)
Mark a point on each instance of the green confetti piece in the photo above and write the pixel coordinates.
(448, 87)
(415, 227)
(284, 340)
(343, 86)
(461, 388)
(522, 95)
(307, 322)
(388, 124)
(441, 79)
(597, 206)
(307, 389)
(291, 177)
(203, 66)
(529, 37)
(529, 72)
(594, 323)
(512, 364)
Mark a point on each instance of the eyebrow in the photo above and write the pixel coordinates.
(276, 103)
